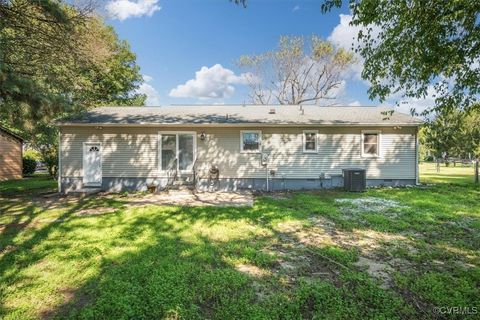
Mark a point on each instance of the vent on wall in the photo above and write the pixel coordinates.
(272, 111)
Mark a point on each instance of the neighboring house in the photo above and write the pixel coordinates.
(11, 151)
(288, 147)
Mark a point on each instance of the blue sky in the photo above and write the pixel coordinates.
(175, 39)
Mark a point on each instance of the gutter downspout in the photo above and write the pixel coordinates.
(59, 171)
(417, 182)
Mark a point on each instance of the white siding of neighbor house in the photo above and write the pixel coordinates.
(133, 152)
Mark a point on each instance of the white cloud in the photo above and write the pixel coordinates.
(406, 104)
(210, 83)
(296, 8)
(147, 78)
(124, 9)
(355, 103)
(418, 104)
(153, 97)
(344, 35)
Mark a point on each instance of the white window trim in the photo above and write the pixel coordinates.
(304, 141)
(379, 143)
(159, 149)
(90, 184)
(260, 141)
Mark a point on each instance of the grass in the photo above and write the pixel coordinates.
(384, 254)
(35, 183)
(459, 174)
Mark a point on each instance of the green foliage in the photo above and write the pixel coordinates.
(410, 47)
(58, 60)
(33, 154)
(454, 132)
(109, 257)
(431, 286)
(29, 165)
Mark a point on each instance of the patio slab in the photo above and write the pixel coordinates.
(194, 199)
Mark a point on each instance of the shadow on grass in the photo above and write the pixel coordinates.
(16, 255)
(171, 262)
(182, 273)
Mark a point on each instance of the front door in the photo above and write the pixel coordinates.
(179, 146)
(92, 164)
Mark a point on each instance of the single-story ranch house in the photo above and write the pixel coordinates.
(235, 147)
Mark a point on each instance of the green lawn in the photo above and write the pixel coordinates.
(36, 184)
(459, 174)
(383, 254)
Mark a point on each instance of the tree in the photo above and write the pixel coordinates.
(295, 72)
(444, 134)
(455, 133)
(413, 48)
(410, 47)
(35, 38)
(56, 59)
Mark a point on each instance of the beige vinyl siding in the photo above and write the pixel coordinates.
(133, 152)
(125, 152)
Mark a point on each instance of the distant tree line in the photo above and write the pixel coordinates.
(454, 135)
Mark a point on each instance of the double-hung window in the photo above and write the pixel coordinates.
(250, 141)
(371, 143)
(310, 141)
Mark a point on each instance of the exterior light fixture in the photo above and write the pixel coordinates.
(203, 136)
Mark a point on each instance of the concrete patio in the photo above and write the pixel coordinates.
(189, 198)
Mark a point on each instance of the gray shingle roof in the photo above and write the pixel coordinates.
(240, 114)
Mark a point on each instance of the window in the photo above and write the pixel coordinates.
(250, 141)
(177, 150)
(371, 143)
(310, 141)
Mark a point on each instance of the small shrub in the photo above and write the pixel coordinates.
(33, 154)
(29, 165)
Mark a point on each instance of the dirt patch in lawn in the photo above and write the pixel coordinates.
(376, 269)
(194, 199)
(252, 270)
(297, 259)
(354, 207)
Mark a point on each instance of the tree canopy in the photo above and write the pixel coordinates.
(299, 71)
(455, 133)
(56, 59)
(418, 49)
(411, 47)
